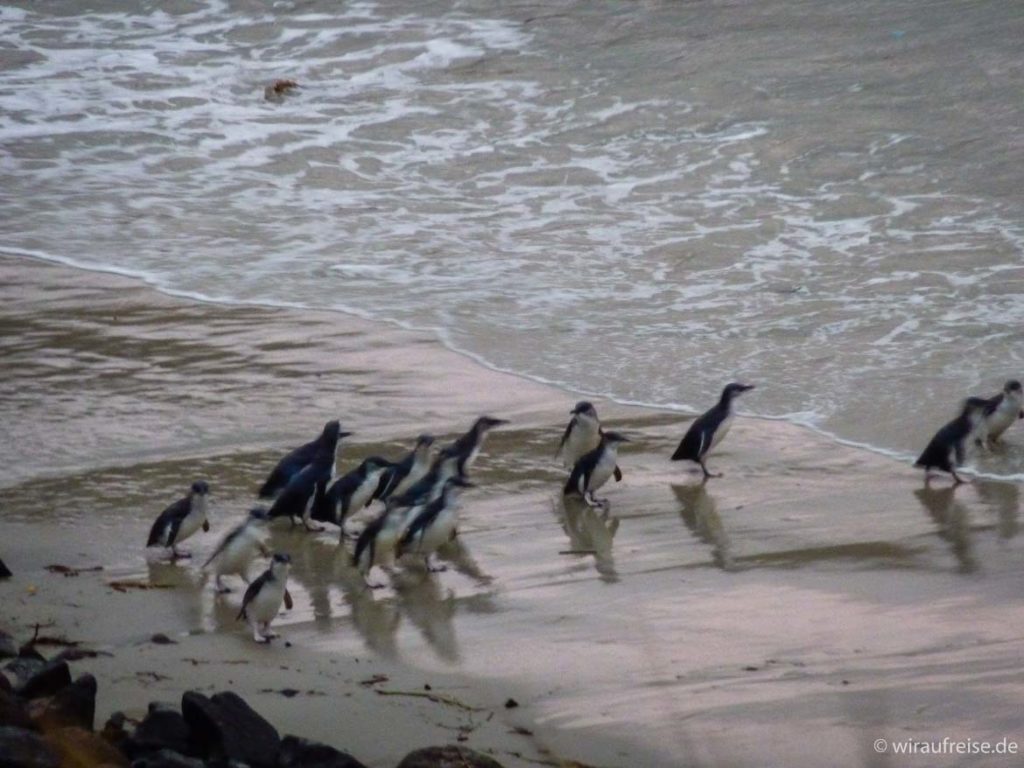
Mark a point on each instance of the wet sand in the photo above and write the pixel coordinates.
(811, 601)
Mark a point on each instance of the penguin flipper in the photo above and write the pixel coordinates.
(206, 526)
(288, 603)
(618, 474)
(565, 436)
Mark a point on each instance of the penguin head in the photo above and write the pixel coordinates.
(258, 515)
(280, 563)
(375, 463)
(1012, 387)
(332, 432)
(485, 423)
(200, 488)
(615, 438)
(735, 389)
(584, 408)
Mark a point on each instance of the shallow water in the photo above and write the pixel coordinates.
(642, 200)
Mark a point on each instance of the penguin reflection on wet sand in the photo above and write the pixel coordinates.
(595, 468)
(1003, 410)
(263, 598)
(948, 449)
(306, 490)
(180, 520)
(235, 552)
(295, 461)
(710, 428)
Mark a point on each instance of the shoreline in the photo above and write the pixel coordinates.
(693, 626)
(437, 335)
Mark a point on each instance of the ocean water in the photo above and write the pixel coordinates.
(638, 200)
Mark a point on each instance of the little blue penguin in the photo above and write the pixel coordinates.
(434, 524)
(306, 490)
(237, 549)
(410, 470)
(429, 487)
(377, 541)
(352, 492)
(582, 435)
(263, 598)
(468, 446)
(709, 429)
(595, 468)
(296, 460)
(948, 449)
(1003, 410)
(180, 520)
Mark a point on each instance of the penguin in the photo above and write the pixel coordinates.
(377, 541)
(306, 490)
(582, 435)
(180, 520)
(595, 468)
(427, 488)
(434, 524)
(468, 446)
(708, 429)
(947, 450)
(296, 460)
(408, 471)
(237, 549)
(263, 598)
(1003, 410)
(352, 492)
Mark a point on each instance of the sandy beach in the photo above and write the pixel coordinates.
(813, 600)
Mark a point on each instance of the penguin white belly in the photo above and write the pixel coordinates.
(472, 456)
(721, 432)
(603, 470)
(237, 555)
(584, 437)
(363, 493)
(266, 604)
(1003, 416)
(193, 522)
(436, 534)
(387, 539)
(417, 473)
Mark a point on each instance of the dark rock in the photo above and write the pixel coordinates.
(511, 704)
(13, 713)
(74, 705)
(5, 572)
(165, 758)
(20, 669)
(451, 756)
(8, 648)
(46, 681)
(23, 749)
(224, 727)
(161, 639)
(79, 748)
(303, 753)
(163, 728)
(114, 731)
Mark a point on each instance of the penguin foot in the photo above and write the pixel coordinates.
(260, 639)
(180, 555)
(313, 528)
(270, 635)
(222, 591)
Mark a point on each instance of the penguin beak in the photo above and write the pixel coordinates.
(344, 434)
(748, 387)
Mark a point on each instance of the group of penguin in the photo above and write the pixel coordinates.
(419, 491)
